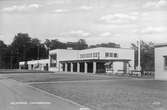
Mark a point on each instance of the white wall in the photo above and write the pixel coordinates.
(42, 61)
(124, 54)
(117, 66)
(63, 55)
(41, 64)
(160, 72)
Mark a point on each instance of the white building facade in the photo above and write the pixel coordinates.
(94, 60)
(161, 62)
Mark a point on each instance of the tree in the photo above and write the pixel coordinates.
(79, 45)
(3, 50)
(55, 44)
(147, 55)
(82, 44)
(35, 49)
(110, 44)
(24, 48)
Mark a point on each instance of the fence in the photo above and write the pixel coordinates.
(148, 73)
(142, 73)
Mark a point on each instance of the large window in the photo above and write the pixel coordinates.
(115, 55)
(90, 55)
(106, 54)
(110, 54)
(165, 62)
(53, 60)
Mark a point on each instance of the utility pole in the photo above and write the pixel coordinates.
(139, 56)
(38, 51)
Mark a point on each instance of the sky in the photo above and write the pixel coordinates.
(96, 21)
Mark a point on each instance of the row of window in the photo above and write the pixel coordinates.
(110, 54)
(90, 55)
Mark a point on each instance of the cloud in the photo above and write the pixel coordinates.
(118, 17)
(14, 8)
(60, 10)
(34, 6)
(80, 32)
(21, 7)
(2, 36)
(86, 7)
(56, 2)
(135, 13)
(105, 34)
(150, 30)
(155, 4)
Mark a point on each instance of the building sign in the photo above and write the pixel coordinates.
(90, 55)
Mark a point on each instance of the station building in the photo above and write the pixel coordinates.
(161, 61)
(93, 60)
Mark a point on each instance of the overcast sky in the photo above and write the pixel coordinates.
(96, 21)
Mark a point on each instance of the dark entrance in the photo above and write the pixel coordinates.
(74, 67)
(68, 67)
(90, 67)
(82, 67)
(32, 67)
(101, 67)
(63, 66)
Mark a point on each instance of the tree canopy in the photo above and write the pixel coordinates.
(110, 44)
(24, 48)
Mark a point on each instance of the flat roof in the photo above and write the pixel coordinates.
(110, 48)
(160, 45)
(90, 60)
(90, 49)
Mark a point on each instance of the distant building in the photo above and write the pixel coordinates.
(41, 65)
(161, 61)
(94, 60)
(23, 65)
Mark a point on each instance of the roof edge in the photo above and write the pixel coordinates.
(160, 45)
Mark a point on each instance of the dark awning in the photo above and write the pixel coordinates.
(96, 60)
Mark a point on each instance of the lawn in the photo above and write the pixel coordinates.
(52, 77)
(101, 92)
(117, 94)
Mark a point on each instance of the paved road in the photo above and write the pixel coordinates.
(19, 96)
